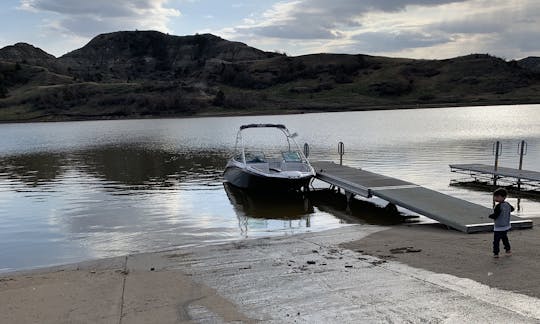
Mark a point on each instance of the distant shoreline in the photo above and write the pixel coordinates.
(266, 112)
(148, 74)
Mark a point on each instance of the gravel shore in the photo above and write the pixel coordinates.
(437, 249)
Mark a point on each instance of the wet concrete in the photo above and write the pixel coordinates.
(111, 291)
(304, 278)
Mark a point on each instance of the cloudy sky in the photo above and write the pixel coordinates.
(405, 28)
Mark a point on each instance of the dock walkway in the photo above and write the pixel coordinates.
(457, 213)
(528, 177)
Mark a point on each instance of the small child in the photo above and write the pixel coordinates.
(501, 216)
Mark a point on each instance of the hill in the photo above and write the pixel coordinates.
(531, 63)
(26, 53)
(147, 73)
(153, 55)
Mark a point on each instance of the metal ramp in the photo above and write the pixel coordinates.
(453, 212)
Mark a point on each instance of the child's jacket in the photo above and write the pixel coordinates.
(501, 215)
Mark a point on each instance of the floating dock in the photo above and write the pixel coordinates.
(488, 172)
(450, 211)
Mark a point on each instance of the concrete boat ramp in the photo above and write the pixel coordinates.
(456, 213)
(305, 278)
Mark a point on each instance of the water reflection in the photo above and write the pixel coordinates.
(73, 191)
(299, 206)
(131, 167)
(33, 169)
(267, 206)
(293, 210)
(359, 210)
(140, 168)
(112, 200)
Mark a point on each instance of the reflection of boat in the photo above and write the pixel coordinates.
(258, 205)
(285, 170)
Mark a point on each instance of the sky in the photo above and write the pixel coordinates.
(400, 28)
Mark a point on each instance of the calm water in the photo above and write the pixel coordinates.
(82, 190)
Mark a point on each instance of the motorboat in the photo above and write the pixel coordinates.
(282, 167)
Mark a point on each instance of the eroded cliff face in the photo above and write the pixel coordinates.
(150, 54)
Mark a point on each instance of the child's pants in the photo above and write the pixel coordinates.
(497, 237)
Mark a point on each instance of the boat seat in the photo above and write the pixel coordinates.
(275, 165)
(291, 156)
(292, 166)
(255, 157)
(261, 166)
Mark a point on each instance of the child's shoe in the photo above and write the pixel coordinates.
(496, 256)
(508, 253)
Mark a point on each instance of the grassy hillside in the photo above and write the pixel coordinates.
(531, 63)
(145, 74)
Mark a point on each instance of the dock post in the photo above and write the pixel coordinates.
(391, 209)
(349, 196)
(522, 148)
(341, 152)
(497, 151)
(306, 150)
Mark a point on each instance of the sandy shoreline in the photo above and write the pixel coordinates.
(306, 278)
(437, 249)
(112, 290)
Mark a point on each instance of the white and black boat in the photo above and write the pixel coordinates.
(282, 169)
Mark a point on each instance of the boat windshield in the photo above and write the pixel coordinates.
(255, 157)
(267, 145)
(291, 157)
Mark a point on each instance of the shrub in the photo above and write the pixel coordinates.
(390, 88)
(219, 99)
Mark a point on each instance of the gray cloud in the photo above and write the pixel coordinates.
(292, 31)
(322, 19)
(96, 7)
(524, 40)
(88, 18)
(417, 28)
(471, 26)
(510, 32)
(88, 26)
(389, 42)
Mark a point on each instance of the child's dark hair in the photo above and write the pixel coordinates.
(501, 192)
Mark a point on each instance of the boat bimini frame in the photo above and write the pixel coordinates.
(239, 145)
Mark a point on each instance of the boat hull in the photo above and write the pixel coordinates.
(245, 179)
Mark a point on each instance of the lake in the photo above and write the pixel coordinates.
(83, 190)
